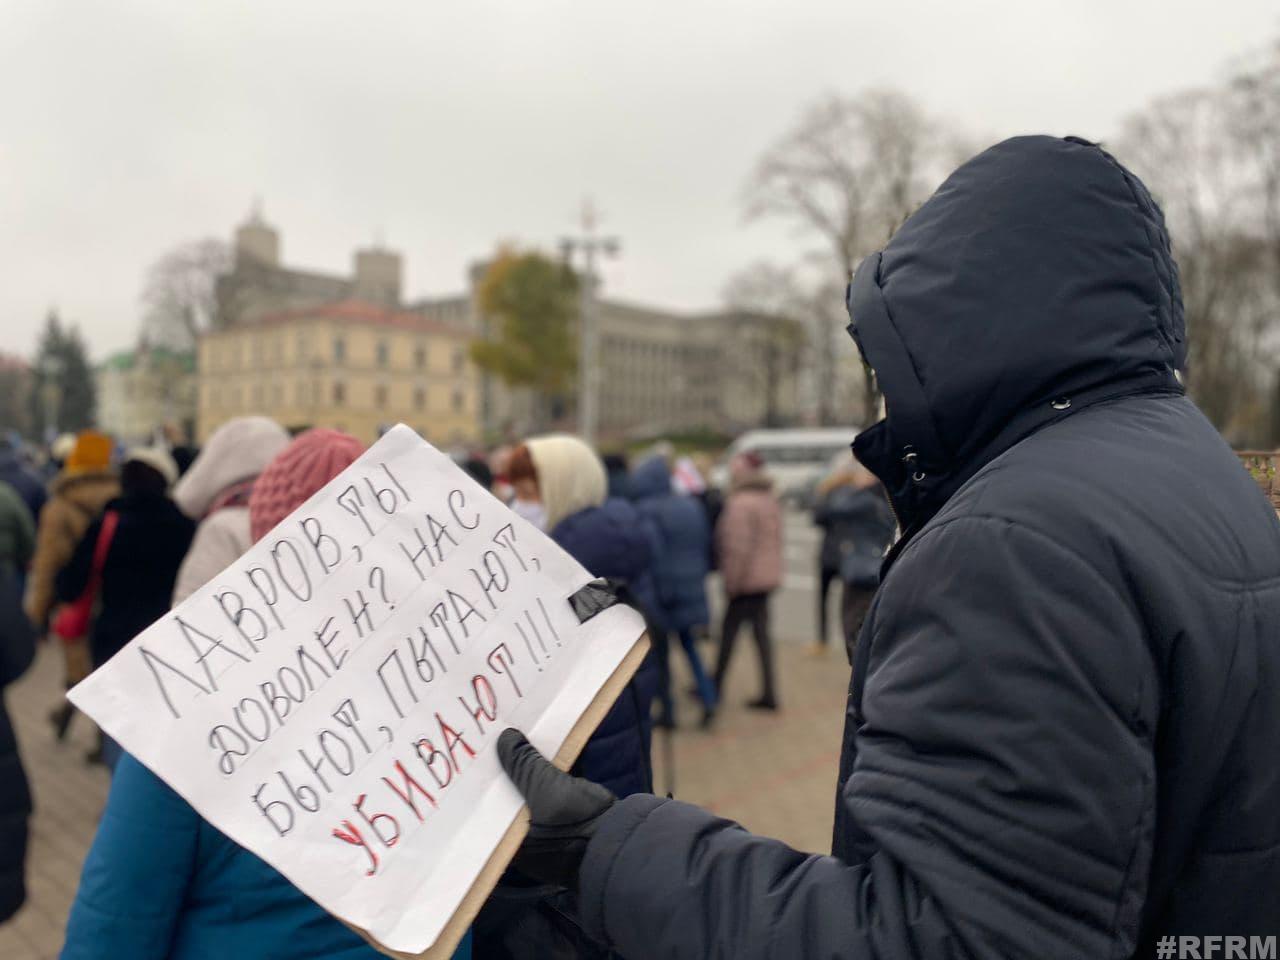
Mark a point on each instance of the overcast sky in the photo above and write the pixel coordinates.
(126, 128)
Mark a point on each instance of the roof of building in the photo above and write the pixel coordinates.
(358, 311)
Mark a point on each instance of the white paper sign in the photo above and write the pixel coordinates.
(332, 700)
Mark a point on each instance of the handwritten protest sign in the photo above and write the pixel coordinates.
(333, 699)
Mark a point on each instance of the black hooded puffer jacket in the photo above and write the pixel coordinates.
(1063, 723)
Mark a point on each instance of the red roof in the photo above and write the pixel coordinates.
(359, 311)
(9, 361)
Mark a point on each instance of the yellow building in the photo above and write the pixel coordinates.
(349, 365)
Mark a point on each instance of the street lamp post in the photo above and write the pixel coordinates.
(591, 245)
(50, 371)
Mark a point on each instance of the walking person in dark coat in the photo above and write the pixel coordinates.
(17, 536)
(562, 475)
(24, 480)
(141, 564)
(1062, 724)
(857, 525)
(680, 566)
(17, 649)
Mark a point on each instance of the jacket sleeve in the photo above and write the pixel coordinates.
(52, 550)
(1000, 804)
(136, 876)
(71, 580)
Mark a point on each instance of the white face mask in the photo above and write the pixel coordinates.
(531, 510)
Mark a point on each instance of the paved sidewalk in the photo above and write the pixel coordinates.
(69, 795)
(774, 774)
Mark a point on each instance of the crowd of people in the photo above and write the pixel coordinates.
(1062, 711)
(97, 542)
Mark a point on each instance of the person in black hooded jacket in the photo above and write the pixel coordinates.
(142, 560)
(1062, 721)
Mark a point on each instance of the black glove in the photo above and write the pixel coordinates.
(564, 812)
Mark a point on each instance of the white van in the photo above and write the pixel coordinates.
(795, 459)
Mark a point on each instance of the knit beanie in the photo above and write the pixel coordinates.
(298, 471)
(91, 452)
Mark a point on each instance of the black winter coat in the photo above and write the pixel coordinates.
(151, 538)
(23, 479)
(1063, 721)
(857, 525)
(17, 648)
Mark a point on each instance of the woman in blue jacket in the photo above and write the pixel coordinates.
(160, 883)
(562, 482)
(680, 567)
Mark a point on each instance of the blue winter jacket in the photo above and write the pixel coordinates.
(615, 541)
(160, 882)
(23, 479)
(683, 556)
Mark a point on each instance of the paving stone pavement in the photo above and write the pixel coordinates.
(773, 773)
(68, 794)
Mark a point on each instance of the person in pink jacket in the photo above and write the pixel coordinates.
(749, 546)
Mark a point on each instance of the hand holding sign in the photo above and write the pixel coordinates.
(333, 700)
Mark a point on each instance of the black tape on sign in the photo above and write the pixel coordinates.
(596, 596)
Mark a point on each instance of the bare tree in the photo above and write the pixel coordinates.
(848, 174)
(1253, 99)
(770, 337)
(1189, 148)
(179, 293)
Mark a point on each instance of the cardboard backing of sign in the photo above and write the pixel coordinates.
(502, 855)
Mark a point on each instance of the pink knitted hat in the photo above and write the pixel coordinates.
(299, 470)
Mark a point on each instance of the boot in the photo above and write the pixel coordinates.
(60, 717)
(94, 756)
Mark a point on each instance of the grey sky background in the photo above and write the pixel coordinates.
(126, 128)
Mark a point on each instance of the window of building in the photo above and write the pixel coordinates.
(459, 359)
(459, 401)
(380, 396)
(420, 356)
(339, 350)
(339, 392)
(301, 346)
(419, 398)
(384, 353)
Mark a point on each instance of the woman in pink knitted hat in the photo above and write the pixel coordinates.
(298, 471)
(196, 893)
